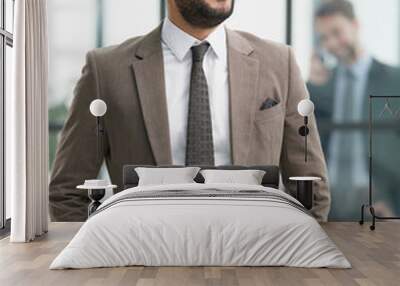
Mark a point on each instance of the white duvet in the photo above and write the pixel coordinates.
(200, 231)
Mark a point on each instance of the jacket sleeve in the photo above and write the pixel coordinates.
(76, 156)
(292, 156)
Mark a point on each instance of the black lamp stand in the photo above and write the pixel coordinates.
(100, 135)
(95, 196)
(304, 193)
(304, 131)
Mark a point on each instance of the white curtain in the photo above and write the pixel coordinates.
(26, 123)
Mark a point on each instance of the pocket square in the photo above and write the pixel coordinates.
(268, 103)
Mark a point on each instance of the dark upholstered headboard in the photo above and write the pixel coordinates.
(270, 179)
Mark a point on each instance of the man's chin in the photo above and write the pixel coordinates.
(202, 14)
(343, 58)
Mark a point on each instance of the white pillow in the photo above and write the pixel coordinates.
(162, 176)
(248, 177)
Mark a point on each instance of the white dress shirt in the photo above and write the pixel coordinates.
(177, 55)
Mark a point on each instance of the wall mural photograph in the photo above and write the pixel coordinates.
(199, 142)
(339, 55)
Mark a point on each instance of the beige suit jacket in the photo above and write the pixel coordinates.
(130, 78)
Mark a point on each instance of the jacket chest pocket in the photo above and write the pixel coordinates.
(272, 113)
(269, 125)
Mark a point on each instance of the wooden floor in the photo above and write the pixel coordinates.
(375, 257)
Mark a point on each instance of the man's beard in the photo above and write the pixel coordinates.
(349, 55)
(199, 14)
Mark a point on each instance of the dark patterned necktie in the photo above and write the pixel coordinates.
(199, 141)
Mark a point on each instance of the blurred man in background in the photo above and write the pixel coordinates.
(341, 96)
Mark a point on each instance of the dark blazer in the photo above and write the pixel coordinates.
(130, 78)
(382, 80)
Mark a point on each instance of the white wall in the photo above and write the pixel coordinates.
(380, 28)
(265, 18)
(302, 37)
(72, 32)
(124, 19)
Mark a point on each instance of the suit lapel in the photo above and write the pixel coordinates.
(243, 82)
(148, 69)
(375, 76)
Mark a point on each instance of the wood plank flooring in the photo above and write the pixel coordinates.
(375, 257)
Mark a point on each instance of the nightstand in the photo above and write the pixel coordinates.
(96, 191)
(304, 190)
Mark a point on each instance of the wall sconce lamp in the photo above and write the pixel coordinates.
(305, 108)
(98, 108)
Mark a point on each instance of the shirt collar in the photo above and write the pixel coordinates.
(180, 42)
(359, 68)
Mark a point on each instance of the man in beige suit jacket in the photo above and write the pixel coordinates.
(130, 78)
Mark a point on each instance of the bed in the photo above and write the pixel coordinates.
(201, 224)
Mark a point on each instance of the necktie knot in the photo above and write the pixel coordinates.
(199, 51)
(349, 73)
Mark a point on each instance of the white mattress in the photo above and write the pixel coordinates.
(191, 231)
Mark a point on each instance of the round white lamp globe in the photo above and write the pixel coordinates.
(98, 107)
(305, 107)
